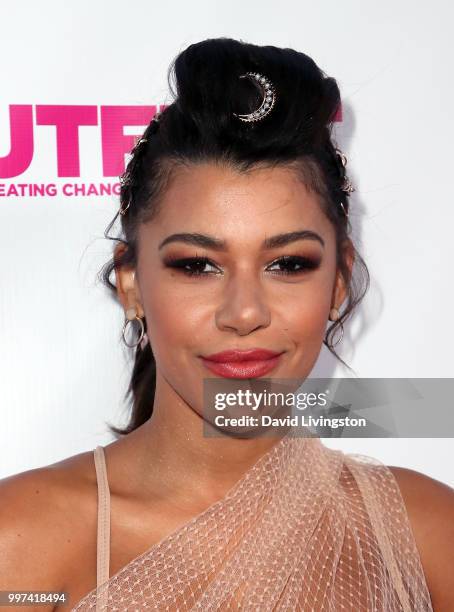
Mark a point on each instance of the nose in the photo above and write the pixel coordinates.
(244, 306)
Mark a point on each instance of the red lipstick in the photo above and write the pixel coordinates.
(237, 363)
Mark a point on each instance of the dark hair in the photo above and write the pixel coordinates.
(199, 126)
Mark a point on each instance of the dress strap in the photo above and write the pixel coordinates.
(103, 535)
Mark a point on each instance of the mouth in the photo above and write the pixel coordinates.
(242, 364)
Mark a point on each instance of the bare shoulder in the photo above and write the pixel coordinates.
(45, 514)
(430, 508)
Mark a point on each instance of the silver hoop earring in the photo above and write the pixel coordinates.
(142, 331)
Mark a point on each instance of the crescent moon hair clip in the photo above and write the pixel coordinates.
(269, 97)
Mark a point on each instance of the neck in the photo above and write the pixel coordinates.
(171, 454)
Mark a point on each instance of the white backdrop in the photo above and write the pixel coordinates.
(63, 368)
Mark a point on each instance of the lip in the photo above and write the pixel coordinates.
(237, 355)
(242, 364)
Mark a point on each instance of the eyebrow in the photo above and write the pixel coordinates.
(216, 244)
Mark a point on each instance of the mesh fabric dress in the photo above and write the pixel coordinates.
(306, 528)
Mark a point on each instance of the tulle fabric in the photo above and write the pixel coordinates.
(306, 528)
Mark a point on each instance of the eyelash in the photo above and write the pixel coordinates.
(179, 264)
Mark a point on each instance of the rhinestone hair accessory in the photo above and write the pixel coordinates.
(305, 528)
(347, 186)
(125, 178)
(268, 101)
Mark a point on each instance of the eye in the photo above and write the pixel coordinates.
(194, 266)
(191, 266)
(295, 264)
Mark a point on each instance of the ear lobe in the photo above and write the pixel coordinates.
(128, 290)
(124, 282)
(339, 292)
(137, 295)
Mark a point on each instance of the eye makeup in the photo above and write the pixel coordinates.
(290, 265)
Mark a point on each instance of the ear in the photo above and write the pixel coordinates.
(341, 283)
(128, 289)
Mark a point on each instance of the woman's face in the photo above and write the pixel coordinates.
(245, 294)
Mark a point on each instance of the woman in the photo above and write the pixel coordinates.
(236, 237)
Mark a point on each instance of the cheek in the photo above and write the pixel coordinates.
(303, 319)
(306, 319)
(172, 323)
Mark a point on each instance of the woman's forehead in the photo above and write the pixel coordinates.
(223, 194)
(236, 217)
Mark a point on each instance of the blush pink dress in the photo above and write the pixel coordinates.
(306, 528)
